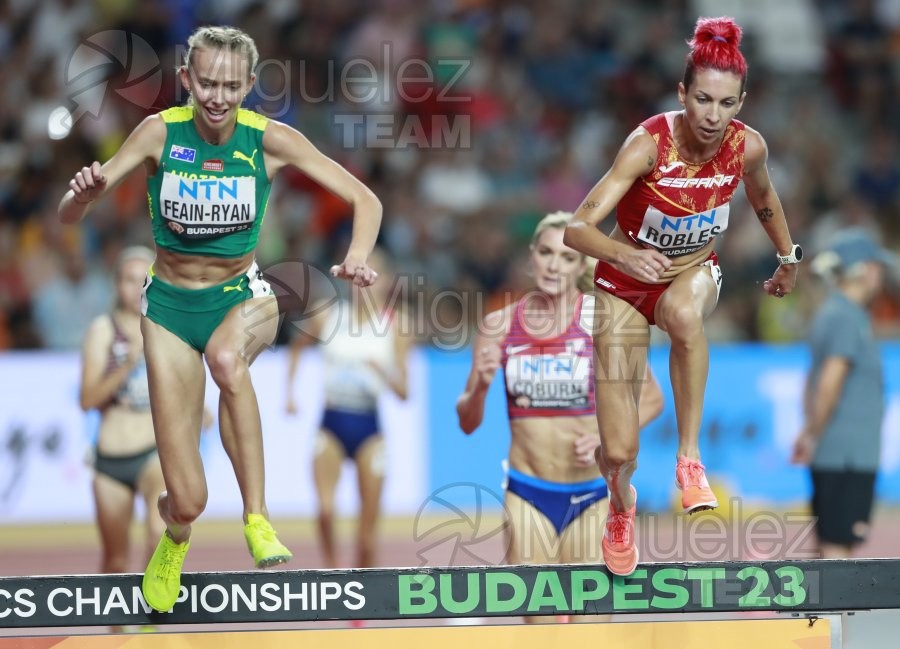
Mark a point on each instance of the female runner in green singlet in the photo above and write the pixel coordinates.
(210, 165)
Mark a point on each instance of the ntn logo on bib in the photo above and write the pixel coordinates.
(680, 235)
(543, 368)
(549, 383)
(207, 207)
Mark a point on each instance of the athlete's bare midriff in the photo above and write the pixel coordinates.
(545, 447)
(679, 264)
(196, 271)
(124, 431)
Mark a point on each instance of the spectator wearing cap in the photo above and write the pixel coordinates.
(844, 399)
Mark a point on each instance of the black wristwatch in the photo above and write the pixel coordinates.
(793, 257)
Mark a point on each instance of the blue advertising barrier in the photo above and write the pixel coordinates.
(752, 414)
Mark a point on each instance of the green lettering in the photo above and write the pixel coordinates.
(581, 595)
(706, 577)
(416, 595)
(793, 586)
(493, 582)
(544, 581)
(663, 584)
(472, 594)
(761, 582)
(621, 589)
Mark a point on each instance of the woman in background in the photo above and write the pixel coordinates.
(555, 496)
(364, 353)
(114, 381)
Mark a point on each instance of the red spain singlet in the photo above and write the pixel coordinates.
(677, 208)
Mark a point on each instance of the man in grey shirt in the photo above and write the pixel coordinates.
(844, 397)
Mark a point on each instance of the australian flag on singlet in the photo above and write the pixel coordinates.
(182, 153)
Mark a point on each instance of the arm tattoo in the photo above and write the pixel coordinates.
(765, 215)
(649, 162)
(590, 205)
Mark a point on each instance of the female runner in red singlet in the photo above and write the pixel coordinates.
(670, 186)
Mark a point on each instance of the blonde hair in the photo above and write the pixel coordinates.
(559, 220)
(131, 253)
(223, 38)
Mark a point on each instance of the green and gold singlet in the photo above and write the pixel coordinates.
(208, 199)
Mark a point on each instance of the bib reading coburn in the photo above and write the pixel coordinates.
(208, 199)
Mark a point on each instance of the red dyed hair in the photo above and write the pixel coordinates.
(716, 45)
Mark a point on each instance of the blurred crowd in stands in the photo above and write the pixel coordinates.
(469, 118)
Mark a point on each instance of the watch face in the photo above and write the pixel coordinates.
(798, 252)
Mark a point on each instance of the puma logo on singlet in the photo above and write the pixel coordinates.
(665, 170)
(239, 155)
(236, 287)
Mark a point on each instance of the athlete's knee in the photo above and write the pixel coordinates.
(227, 368)
(187, 513)
(183, 510)
(683, 321)
(617, 454)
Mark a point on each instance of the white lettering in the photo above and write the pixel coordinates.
(220, 591)
(269, 593)
(116, 600)
(719, 180)
(211, 598)
(51, 601)
(26, 607)
(82, 601)
(353, 590)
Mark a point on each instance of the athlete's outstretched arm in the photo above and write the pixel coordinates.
(143, 146)
(486, 356)
(636, 158)
(765, 202)
(285, 145)
(98, 386)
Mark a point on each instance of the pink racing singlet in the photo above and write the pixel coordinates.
(550, 377)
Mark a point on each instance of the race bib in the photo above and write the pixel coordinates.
(680, 235)
(204, 208)
(549, 380)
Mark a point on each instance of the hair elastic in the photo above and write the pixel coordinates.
(720, 38)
